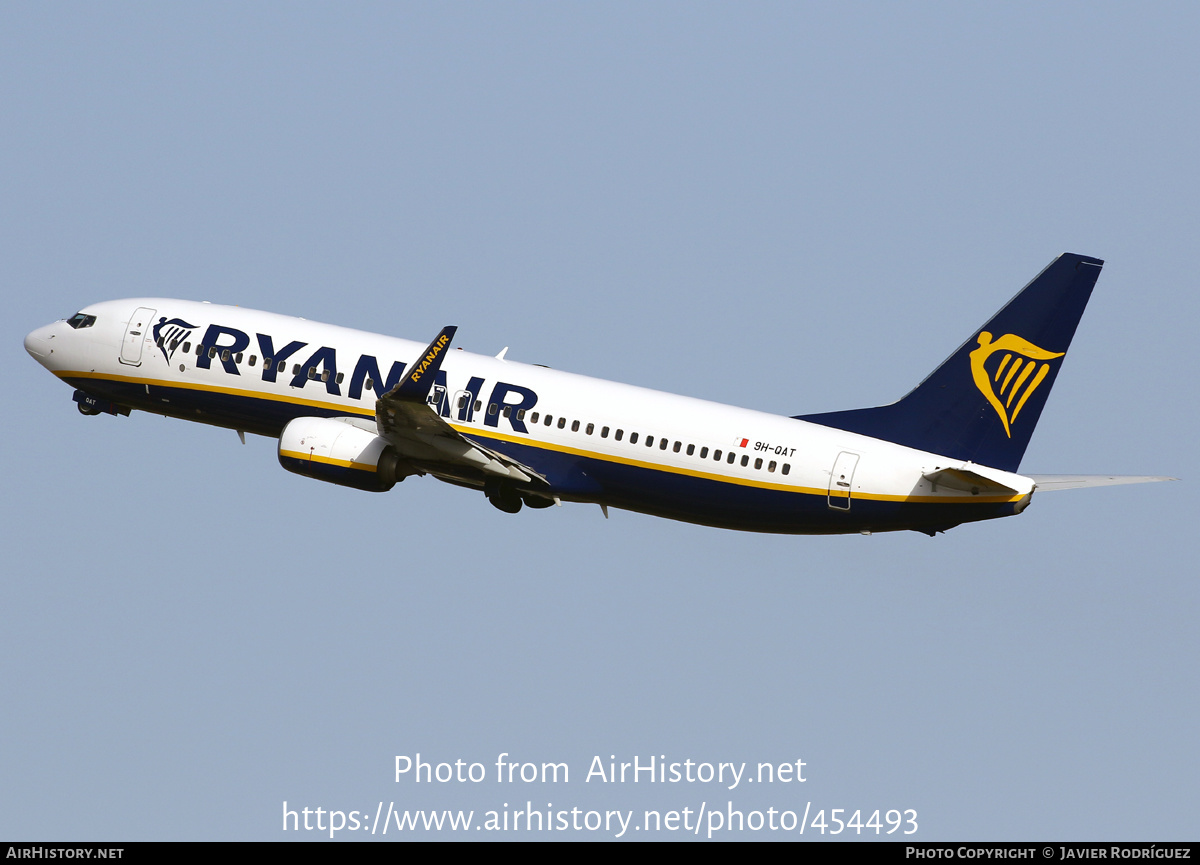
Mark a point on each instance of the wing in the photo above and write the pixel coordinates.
(421, 436)
(1074, 482)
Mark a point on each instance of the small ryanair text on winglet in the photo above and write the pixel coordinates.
(703, 816)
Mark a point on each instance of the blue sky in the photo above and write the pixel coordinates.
(789, 207)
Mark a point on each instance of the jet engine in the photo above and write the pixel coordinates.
(337, 451)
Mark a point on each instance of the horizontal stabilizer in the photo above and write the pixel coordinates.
(967, 481)
(1074, 482)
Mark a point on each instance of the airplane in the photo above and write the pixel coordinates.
(366, 411)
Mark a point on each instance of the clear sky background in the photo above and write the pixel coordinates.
(790, 207)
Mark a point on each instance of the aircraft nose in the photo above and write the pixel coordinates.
(38, 343)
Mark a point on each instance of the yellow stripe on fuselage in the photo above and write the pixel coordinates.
(208, 388)
(342, 408)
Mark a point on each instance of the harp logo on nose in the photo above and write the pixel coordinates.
(169, 334)
(1010, 383)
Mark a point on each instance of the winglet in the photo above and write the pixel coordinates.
(420, 376)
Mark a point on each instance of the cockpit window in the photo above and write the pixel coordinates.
(79, 320)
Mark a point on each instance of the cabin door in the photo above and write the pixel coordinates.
(135, 336)
(840, 480)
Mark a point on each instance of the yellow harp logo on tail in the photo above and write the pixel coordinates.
(1021, 370)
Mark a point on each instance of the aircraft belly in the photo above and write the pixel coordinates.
(726, 504)
(575, 477)
(235, 411)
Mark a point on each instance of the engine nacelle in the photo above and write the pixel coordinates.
(340, 453)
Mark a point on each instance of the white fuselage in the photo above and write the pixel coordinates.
(671, 456)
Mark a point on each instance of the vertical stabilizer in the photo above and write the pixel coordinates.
(983, 402)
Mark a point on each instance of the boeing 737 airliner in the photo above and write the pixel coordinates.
(366, 411)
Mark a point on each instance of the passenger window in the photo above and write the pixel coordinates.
(787, 467)
(691, 450)
(295, 369)
(732, 457)
(187, 348)
(520, 414)
(662, 445)
(649, 441)
(254, 360)
(745, 460)
(771, 466)
(478, 404)
(703, 453)
(492, 409)
(199, 349)
(533, 418)
(590, 428)
(632, 437)
(174, 344)
(757, 463)
(508, 411)
(562, 423)
(462, 401)
(225, 355)
(312, 372)
(676, 448)
(604, 432)
(238, 358)
(368, 384)
(324, 375)
(212, 352)
(574, 426)
(340, 375)
(549, 419)
(717, 455)
(618, 434)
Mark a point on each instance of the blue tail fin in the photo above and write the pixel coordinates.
(984, 401)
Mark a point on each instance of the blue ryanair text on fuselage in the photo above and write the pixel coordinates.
(366, 369)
